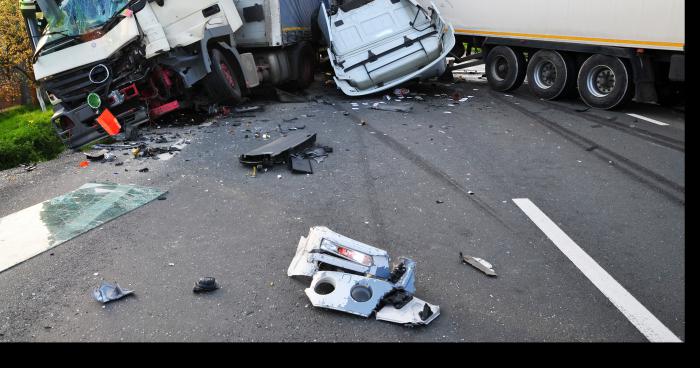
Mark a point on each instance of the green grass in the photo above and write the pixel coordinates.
(26, 136)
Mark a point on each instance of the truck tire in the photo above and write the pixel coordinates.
(223, 83)
(605, 82)
(505, 68)
(303, 61)
(550, 74)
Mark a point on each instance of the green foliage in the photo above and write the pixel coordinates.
(26, 136)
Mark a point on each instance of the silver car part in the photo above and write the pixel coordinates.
(416, 312)
(325, 246)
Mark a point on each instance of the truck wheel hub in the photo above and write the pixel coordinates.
(545, 75)
(601, 81)
(500, 68)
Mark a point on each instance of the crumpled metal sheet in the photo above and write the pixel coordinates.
(108, 292)
(321, 245)
(340, 298)
(414, 313)
(361, 283)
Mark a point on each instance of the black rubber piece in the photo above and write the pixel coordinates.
(219, 89)
(622, 91)
(564, 67)
(205, 284)
(508, 75)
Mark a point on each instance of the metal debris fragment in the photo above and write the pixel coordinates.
(479, 264)
(354, 277)
(108, 292)
(394, 108)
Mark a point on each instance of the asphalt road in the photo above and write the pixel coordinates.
(613, 183)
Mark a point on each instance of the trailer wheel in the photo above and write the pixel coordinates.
(304, 62)
(223, 83)
(605, 82)
(550, 74)
(505, 68)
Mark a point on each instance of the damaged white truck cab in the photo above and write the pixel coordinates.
(108, 66)
(375, 45)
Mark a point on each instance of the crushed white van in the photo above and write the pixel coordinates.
(375, 45)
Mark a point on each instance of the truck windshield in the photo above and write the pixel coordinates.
(75, 17)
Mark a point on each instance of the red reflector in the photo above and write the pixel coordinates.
(109, 123)
(355, 256)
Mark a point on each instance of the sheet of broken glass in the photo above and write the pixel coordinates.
(29, 232)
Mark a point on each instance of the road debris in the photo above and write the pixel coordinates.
(354, 277)
(244, 109)
(27, 167)
(108, 292)
(205, 284)
(278, 150)
(479, 264)
(301, 165)
(406, 108)
(84, 164)
(96, 155)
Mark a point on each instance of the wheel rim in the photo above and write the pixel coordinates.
(499, 68)
(227, 74)
(545, 74)
(601, 81)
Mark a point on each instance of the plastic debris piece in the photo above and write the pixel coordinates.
(96, 155)
(144, 170)
(84, 164)
(301, 165)
(278, 150)
(479, 264)
(205, 284)
(108, 292)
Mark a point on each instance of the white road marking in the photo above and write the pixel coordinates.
(648, 119)
(641, 318)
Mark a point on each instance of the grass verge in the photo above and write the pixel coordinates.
(26, 136)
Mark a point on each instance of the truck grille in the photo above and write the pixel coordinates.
(75, 85)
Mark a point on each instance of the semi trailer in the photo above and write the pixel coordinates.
(108, 66)
(610, 51)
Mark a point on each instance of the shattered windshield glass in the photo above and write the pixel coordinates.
(75, 17)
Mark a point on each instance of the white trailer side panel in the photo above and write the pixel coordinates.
(650, 24)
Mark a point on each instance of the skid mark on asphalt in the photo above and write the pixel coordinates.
(636, 313)
(430, 169)
(657, 182)
(660, 139)
(372, 197)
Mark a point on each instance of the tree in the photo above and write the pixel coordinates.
(15, 55)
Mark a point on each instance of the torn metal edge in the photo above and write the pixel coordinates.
(416, 312)
(309, 253)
